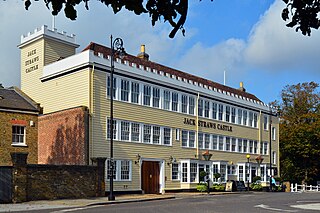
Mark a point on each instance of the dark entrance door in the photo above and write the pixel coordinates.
(150, 176)
(5, 184)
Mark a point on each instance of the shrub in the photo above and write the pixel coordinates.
(256, 186)
(256, 178)
(202, 187)
(217, 187)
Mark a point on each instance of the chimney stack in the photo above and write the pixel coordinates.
(241, 87)
(143, 54)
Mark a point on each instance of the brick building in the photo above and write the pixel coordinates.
(18, 125)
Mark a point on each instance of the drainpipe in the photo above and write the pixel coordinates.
(91, 106)
(197, 127)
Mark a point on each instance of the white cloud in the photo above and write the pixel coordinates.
(273, 46)
(211, 62)
(96, 25)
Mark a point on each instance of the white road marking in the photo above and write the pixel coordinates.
(273, 209)
(310, 206)
(74, 209)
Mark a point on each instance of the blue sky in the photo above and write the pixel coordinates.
(245, 38)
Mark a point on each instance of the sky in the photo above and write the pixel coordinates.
(246, 39)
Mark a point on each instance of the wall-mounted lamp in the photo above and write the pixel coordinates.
(138, 157)
(171, 160)
(206, 155)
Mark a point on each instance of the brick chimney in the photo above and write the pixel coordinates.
(143, 54)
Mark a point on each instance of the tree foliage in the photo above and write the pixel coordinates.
(301, 14)
(300, 132)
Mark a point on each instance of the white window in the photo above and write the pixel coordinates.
(251, 119)
(220, 108)
(206, 109)
(124, 170)
(245, 146)
(221, 143)
(265, 122)
(166, 101)
(227, 144)
(233, 145)
(114, 87)
(215, 170)
(184, 172)
(125, 130)
(184, 142)
(146, 133)
(135, 92)
(121, 171)
(166, 136)
(240, 145)
(239, 116)
(108, 168)
(233, 115)
(18, 135)
(191, 105)
(227, 114)
(200, 107)
(255, 120)
(184, 103)
(214, 142)
(273, 133)
(255, 147)
(146, 95)
(177, 134)
(265, 148)
(175, 101)
(214, 111)
(200, 140)
(240, 173)
(135, 132)
(193, 172)
(250, 146)
(156, 97)
(223, 172)
(207, 141)
(175, 171)
(191, 139)
(245, 117)
(156, 135)
(274, 157)
(114, 129)
(124, 90)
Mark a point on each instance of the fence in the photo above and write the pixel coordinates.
(304, 188)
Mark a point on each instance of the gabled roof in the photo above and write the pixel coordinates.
(97, 48)
(14, 99)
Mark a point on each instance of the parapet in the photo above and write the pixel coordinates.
(45, 31)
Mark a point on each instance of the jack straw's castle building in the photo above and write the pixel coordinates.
(165, 120)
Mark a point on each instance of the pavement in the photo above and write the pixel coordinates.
(75, 203)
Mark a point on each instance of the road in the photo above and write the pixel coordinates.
(234, 203)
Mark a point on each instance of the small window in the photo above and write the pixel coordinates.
(18, 135)
(265, 122)
(175, 171)
(191, 105)
(177, 134)
(135, 92)
(166, 136)
(125, 90)
(273, 133)
(146, 95)
(156, 97)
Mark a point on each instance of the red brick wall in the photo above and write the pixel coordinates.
(62, 137)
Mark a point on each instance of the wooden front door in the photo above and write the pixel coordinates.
(150, 176)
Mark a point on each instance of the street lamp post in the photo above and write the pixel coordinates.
(248, 161)
(116, 47)
(259, 160)
(270, 157)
